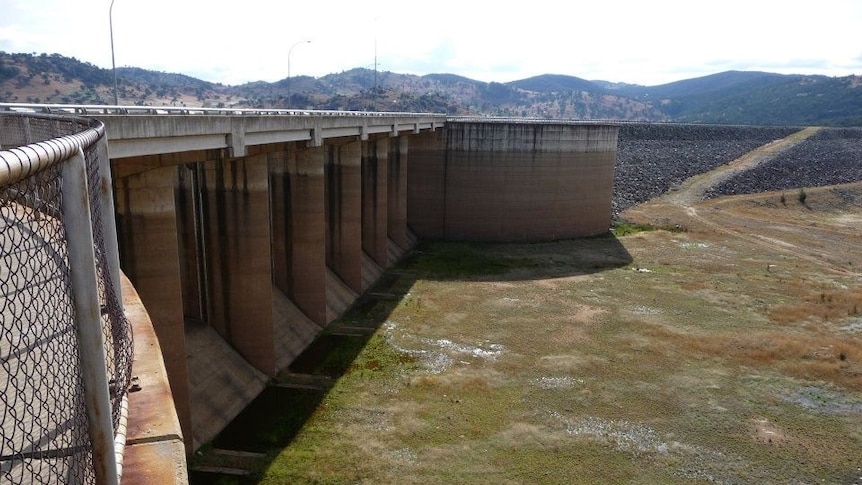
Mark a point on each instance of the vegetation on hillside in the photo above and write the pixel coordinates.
(733, 97)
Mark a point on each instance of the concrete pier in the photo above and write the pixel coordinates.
(149, 241)
(246, 259)
(344, 213)
(375, 220)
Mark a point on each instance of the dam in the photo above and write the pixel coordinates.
(245, 234)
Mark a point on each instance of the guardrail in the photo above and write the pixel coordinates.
(65, 344)
(99, 109)
(527, 121)
(96, 109)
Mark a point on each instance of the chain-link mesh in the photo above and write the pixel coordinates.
(44, 421)
(117, 331)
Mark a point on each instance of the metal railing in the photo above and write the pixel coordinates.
(99, 109)
(65, 344)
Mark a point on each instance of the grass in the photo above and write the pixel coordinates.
(623, 228)
(814, 357)
(455, 259)
(823, 306)
(727, 361)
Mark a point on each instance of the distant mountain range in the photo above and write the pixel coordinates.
(732, 97)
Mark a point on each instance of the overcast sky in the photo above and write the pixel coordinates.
(645, 42)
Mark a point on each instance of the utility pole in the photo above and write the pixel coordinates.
(113, 63)
(375, 64)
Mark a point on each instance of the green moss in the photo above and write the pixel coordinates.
(626, 228)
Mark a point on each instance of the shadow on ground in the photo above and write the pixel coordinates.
(250, 443)
(456, 261)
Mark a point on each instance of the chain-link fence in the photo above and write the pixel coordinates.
(54, 382)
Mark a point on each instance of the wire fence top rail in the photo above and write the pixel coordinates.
(22, 158)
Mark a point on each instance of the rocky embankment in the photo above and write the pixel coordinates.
(832, 156)
(652, 158)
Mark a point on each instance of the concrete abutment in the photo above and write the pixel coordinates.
(493, 181)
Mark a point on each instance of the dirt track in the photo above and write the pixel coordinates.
(794, 235)
(693, 190)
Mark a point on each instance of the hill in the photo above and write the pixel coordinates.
(732, 97)
(760, 98)
(556, 83)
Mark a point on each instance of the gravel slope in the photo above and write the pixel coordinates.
(652, 158)
(832, 156)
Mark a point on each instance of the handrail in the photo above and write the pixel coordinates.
(25, 161)
(93, 109)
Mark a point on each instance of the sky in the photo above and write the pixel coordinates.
(647, 42)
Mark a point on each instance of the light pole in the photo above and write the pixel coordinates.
(289, 52)
(113, 64)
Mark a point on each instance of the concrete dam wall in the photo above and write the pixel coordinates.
(522, 181)
(243, 254)
(242, 261)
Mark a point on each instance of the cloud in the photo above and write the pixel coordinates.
(634, 41)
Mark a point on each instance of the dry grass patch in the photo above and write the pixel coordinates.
(571, 363)
(818, 357)
(467, 380)
(827, 305)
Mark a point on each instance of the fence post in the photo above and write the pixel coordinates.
(91, 348)
(109, 222)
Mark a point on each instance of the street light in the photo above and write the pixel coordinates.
(289, 52)
(113, 64)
